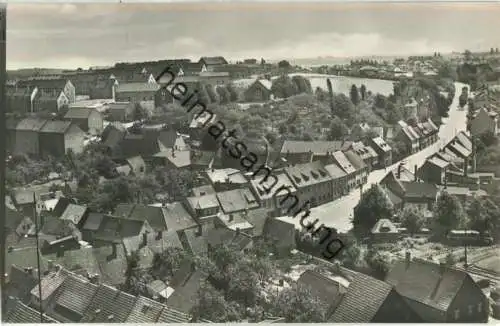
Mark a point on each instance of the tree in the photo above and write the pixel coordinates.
(373, 206)
(338, 129)
(298, 305)
(233, 92)
(283, 64)
(224, 95)
(284, 87)
(321, 95)
(354, 95)
(363, 92)
(211, 93)
(351, 256)
(211, 305)
(448, 213)
(202, 93)
(168, 262)
(330, 94)
(379, 262)
(139, 112)
(412, 220)
(302, 84)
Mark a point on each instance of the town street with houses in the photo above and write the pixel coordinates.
(338, 213)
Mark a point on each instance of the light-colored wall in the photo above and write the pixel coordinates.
(73, 139)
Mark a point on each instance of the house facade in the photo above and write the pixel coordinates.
(312, 181)
(88, 119)
(120, 111)
(27, 137)
(259, 91)
(484, 121)
(145, 94)
(58, 137)
(271, 200)
(383, 150)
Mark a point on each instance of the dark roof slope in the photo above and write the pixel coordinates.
(56, 127)
(365, 295)
(145, 311)
(109, 305)
(426, 282)
(22, 314)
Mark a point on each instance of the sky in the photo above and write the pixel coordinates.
(83, 35)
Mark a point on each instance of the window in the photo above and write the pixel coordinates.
(480, 307)
(457, 314)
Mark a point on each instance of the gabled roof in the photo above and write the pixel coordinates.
(137, 87)
(335, 171)
(23, 314)
(177, 217)
(203, 202)
(109, 305)
(179, 159)
(266, 83)
(464, 140)
(78, 113)
(74, 213)
(203, 190)
(426, 282)
(419, 189)
(169, 315)
(75, 295)
(316, 147)
(464, 152)
(135, 162)
(438, 162)
(326, 289)
(154, 215)
(307, 174)
(343, 162)
(267, 189)
(31, 124)
(213, 60)
(44, 83)
(355, 159)
(237, 200)
(384, 226)
(23, 197)
(114, 228)
(56, 127)
(381, 144)
(145, 311)
(365, 295)
(50, 283)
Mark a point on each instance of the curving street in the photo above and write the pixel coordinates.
(338, 213)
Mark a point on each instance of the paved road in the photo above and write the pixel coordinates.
(338, 213)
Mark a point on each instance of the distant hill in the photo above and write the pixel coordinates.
(28, 72)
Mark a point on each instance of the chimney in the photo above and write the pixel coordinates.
(416, 169)
(29, 270)
(95, 279)
(144, 239)
(60, 251)
(199, 232)
(442, 268)
(231, 218)
(159, 235)
(466, 166)
(113, 253)
(408, 259)
(400, 167)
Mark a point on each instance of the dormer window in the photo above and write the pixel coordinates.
(297, 179)
(315, 175)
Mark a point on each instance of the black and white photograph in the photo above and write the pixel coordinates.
(250, 162)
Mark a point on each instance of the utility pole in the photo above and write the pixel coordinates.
(37, 229)
(3, 28)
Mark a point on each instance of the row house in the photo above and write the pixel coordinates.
(214, 78)
(366, 153)
(120, 111)
(51, 87)
(345, 164)
(48, 102)
(383, 151)
(19, 99)
(298, 152)
(361, 174)
(339, 180)
(144, 94)
(235, 71)
(429, 132)
(405, 133)
(272, 191)
(88, 119)
(312, 181)
(46, 137)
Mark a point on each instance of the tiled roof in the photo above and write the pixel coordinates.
(344, 162)
(136, 162)
(169, 239)
(266, 190)
(93, 221)
(81, 261)
(177, 217)
(335, 171)
(427, 282)
(237, 200)
(365, 295)
(438, 162)
(257, 217)
(145, 311)
(75, 295)
(24, 257)
(325, 289)
(213, 60)
(308, 174)
(317, 147)
(115, 228)
(179, 159)
(154, 215)
(381, 144)
(419, 189)
(22, 314)
(464, 152)
(56, 126)
(464, 140)
(78, 113)
(137, 87)
(109, 305)
(30, 124)
(22, 197)
(169, 315)
(74, 213)
(222, 176)
(203, 202)
(355, 159)
(219, 236)
(20, 283)
(266, 83)
(44, 83)
(50, 283)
